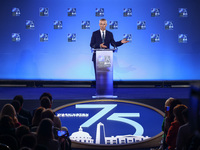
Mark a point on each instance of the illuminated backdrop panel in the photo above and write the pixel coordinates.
(49, 40)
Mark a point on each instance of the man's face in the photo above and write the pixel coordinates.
(103, 25)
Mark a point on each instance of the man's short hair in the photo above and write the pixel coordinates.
(19, 98)
(16, 104)
(45, 102)
(45, 94)
(103, 20)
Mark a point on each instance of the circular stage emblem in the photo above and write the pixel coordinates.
(110, 122)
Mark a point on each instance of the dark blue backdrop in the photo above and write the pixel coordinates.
(59, 59)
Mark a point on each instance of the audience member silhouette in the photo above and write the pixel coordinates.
(45, 135)
(43, 126)
(29, 141)
(48, 113)
(174, 127)
(21, 119)
(21, 131)
(65, 142)
(23, 112)
(9, 141)
(46, 94)
(37, 118)
(9, 110)
(7, 126)
(164, 124)
(170, 118)
(184, 133)
(45, 102)
(48, 104)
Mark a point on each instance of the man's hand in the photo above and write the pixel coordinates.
(103, 46)
(124, 41)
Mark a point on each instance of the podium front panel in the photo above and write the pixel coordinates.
(104, 60)
(104, 73)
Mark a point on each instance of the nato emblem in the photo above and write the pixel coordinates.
(155, 38)
(169, 25)
(85, 25)
(127, 12)
(71, 11)
(128, 37)
(155, 12)
(104, 62)
(16, 12)
(44, 11)
(182, 38)
(58, 24)
(71, 37)
(30, 24)
(113, 24)
(99, 12)
(141, 25)
(43, 37)
(183, 12)
(16, 37)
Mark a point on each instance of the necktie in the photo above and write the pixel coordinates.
(103, 37)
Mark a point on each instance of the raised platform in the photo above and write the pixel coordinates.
(153, 96)
(132, 84)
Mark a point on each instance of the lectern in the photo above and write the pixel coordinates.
(104, 73)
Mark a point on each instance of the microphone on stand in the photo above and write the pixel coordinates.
(94, 46)
(113, 44)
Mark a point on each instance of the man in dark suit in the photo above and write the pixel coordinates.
(102, 39)
(23, 120)
(23, 112)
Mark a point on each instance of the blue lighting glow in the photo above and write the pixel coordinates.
(174, 57)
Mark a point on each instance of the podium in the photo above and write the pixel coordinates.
(104, 73)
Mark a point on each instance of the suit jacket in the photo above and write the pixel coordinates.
(184, 137)
(27, 114)
(23, 120)
(96, 40)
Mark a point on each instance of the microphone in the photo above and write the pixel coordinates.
(113, 44)
(94, 46)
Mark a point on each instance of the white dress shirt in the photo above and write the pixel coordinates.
(102, 34)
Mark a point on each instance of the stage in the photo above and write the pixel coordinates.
(154, 97)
